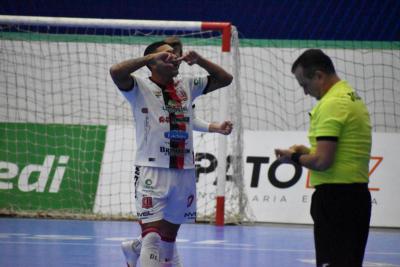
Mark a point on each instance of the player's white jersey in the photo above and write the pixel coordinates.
(163, 121)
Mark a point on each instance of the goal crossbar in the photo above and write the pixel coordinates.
(165, 25)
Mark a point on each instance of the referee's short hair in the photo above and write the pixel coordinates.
(312, 60)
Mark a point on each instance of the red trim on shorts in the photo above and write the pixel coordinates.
(150, 230)
(168, 239)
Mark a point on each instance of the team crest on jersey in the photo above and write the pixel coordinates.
(147, 202)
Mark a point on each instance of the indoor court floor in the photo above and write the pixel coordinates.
(76, 243)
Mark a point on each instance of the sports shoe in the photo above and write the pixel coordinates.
(131, 249)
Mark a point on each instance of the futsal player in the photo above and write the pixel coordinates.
(165, 178)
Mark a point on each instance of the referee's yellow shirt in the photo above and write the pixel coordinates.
(341, 113)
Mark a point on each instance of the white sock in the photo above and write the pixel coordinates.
(166, 253)
(138, 244)
(176, 259)
(150, 252)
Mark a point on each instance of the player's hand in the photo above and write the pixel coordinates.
(166, 57)
(225, 127)
(300, 149)
(284, 155)
(190, 57)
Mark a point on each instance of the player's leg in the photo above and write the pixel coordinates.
(150, 252)
(168, 232)
(151, 194)
(131, 250)
(181, 208)
(165, 198)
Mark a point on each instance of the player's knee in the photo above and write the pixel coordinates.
(151, 239)
(150, 251)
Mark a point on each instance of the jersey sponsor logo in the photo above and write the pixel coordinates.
(147, 202)
(144, 214)
(190, 215)
(174, 151)
(174, 109)
(157, 93)
(176, 135)
(166, 119)
(148, 186)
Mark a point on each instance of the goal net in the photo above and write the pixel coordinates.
(67, 136)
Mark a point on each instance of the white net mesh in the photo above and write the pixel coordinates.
(63, 119)
(67, 137)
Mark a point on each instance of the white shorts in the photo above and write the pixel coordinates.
(168, 194)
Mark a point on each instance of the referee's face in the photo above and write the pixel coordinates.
(310, 86)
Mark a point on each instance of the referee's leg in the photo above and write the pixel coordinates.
(344, 213)
(322, 231)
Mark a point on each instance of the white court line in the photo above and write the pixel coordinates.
(97, 244)
(365, 263)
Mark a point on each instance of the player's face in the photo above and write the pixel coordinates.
(311, 86)
(170, 67)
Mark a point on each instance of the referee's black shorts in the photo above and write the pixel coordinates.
(341, 214)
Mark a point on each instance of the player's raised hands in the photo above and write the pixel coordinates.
(166, 57)
(190, 57)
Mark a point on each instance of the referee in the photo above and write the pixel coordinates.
(340, 138)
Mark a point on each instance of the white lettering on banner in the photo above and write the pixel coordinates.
(10, 170)
(267, 184)
(260, 177)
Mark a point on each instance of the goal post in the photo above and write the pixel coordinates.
(68, 140)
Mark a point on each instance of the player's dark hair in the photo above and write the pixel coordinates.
(175, 42)
(312, 60)
(151, 48)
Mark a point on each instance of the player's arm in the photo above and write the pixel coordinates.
(218, 77)
(320, 160)
(121, 72)
(224, 128)
(200, 125)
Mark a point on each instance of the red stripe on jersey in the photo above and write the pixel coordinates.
(177, 147)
